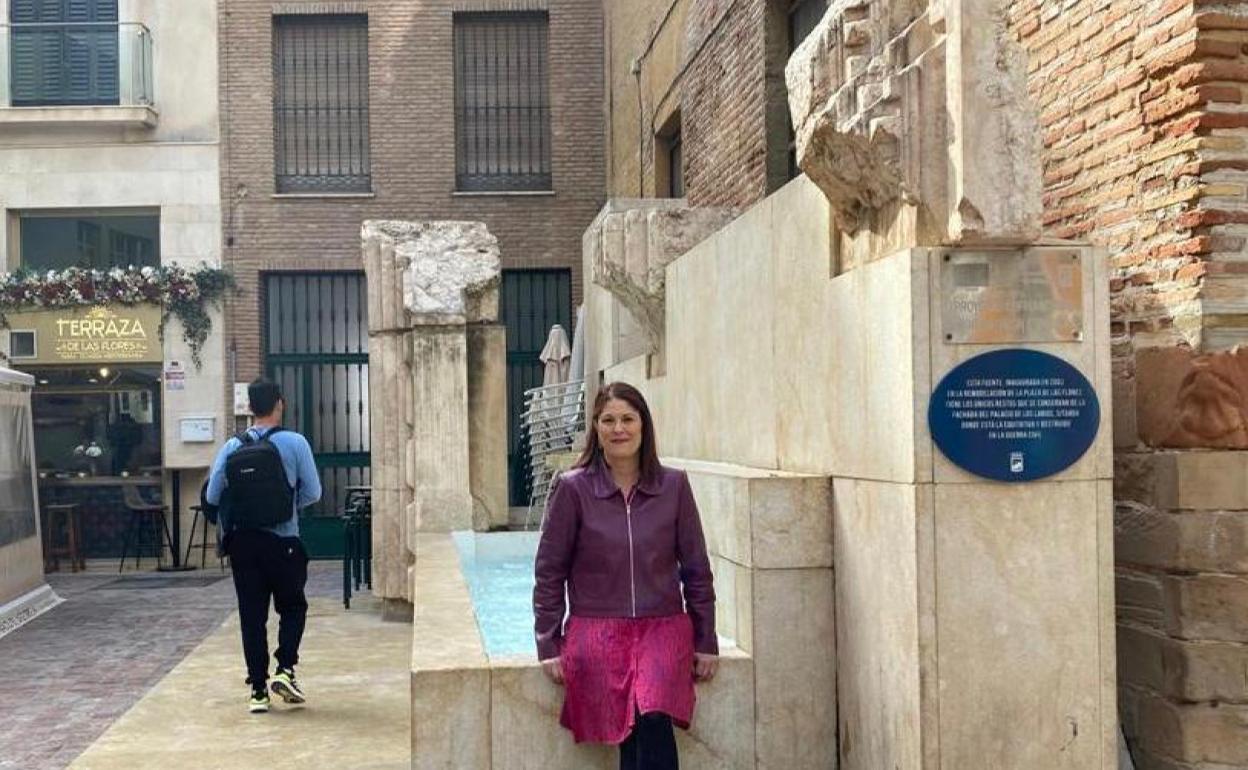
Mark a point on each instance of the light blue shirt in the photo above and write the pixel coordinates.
(300, 469)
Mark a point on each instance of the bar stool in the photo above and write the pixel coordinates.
(201, 520)
(145, 517)
(54, 514)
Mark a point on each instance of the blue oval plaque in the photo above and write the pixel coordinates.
(1014, 415)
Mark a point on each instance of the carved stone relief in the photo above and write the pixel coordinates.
(631, 243)
(1188, 400)
(919, 104)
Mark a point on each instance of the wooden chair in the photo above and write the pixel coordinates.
(54, 515)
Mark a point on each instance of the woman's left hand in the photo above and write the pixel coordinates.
(704, 666)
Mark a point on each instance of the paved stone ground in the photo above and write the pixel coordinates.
(356, 670)
(68, 675)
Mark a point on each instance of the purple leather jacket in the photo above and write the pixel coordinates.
(622, 559)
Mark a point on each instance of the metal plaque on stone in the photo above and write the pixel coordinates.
(1014, 415)
(1011, 296)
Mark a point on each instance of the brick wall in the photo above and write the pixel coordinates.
(720, 65)
(1145, 154)
(412, 147)
(724, 103)
(1144, 151)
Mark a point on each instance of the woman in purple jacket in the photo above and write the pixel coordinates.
(622, 534)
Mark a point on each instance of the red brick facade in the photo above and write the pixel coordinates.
(1144, 151)
(732, 101)
(412, 147)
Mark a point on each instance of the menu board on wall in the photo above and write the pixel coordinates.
(102, 334)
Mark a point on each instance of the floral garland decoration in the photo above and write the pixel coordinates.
(185, 294)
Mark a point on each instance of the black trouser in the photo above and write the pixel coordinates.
(264, 566)
(651, 745)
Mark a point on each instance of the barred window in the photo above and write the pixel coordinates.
(502, 101)
(320, 104)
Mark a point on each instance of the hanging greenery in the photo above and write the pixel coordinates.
(184, 294)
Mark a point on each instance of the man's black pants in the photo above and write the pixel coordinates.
(264, 566)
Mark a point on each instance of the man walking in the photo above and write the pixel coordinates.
(260, 479)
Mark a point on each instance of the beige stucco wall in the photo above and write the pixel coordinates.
(173, 168)
(651, 32)
(184, 72)
(974, 620)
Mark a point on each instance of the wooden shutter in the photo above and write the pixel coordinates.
(90, 10)
(59, 62)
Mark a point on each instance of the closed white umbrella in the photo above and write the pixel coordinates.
(557, 356)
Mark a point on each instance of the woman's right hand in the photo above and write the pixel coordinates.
(554, 670)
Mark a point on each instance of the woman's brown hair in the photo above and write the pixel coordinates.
(649, 459)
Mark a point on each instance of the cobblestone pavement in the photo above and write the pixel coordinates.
(66, 676)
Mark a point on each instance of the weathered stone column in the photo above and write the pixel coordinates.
(439, 438)
(487, 424)
(389, 416)
(434, 290)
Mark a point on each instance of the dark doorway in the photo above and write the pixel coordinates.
(316, 348)
(532, 302)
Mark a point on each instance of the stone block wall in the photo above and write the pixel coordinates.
(1181, 533)
(956, 601)
(769, 535)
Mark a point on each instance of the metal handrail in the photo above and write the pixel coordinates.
(61, 24)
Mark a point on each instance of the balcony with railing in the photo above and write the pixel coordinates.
(76, 73)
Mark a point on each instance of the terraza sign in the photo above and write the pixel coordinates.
(101, 328)
(1014, 415)
(101, 334)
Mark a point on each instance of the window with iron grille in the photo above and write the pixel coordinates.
(502, 101)
(320, 104)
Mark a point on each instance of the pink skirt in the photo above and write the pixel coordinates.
(616, 667)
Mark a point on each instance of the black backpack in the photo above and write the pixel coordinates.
(260, 495)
